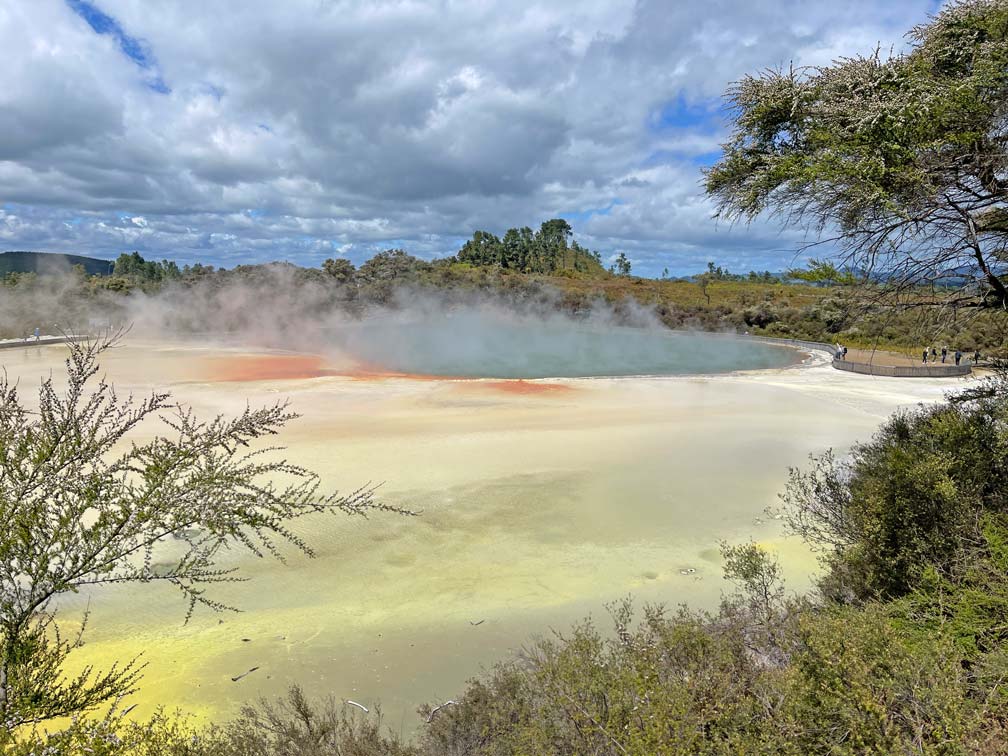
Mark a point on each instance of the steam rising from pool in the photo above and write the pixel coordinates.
(457, 333)
(473, 344)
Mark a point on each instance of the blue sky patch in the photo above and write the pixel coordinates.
(681, 113)
(576, 217)
(705, 159)
(133, 48)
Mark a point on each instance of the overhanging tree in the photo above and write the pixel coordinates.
(80, 510)
(904, 156)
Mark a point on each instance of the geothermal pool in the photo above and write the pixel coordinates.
(470, 344)
(541, 501)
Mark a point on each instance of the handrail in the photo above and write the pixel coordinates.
(903, 371)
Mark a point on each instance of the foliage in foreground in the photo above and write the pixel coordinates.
(289, 727)
(81, 509)
(928, 493)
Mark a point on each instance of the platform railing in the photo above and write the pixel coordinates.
(903, 371)
(864, 368)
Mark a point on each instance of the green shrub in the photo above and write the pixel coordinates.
(911, 498)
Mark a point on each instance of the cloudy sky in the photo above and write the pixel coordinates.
(229, 131)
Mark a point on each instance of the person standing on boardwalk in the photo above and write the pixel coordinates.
(934, 355)
(976, 356)
(924, 356)
(944, 354)
(958, 356)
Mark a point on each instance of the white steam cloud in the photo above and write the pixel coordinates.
(524, 334)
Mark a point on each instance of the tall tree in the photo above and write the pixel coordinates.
(514, 249)
(545, 251)
(483, 249)
(553, 236)
(903, 156)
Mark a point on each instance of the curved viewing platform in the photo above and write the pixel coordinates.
(903, 371)
(869, 368)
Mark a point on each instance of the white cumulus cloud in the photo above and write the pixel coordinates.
(308, 128)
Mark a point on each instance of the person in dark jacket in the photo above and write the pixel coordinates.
(958, 356)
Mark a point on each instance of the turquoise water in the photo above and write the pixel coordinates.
(489, 348)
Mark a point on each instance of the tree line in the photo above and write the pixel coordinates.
(548, 250)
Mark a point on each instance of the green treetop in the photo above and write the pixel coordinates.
(903, 155)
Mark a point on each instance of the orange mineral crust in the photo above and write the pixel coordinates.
(267, 367)
(281, 367)
(520, 387)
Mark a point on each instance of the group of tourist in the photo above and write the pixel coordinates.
(944, 355)
(841, 354)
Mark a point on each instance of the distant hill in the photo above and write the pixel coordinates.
(50, 262)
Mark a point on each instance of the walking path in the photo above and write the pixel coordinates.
(40, 341)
